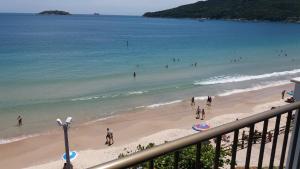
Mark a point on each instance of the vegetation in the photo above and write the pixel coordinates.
(272, 10)
(54, 12)
(187, 158)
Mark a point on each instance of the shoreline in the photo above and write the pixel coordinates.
(88, 139)
(141, 108)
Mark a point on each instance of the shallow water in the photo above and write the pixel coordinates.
(80, 65)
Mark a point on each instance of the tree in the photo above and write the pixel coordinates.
(187, 157)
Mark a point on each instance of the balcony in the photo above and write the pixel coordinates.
(244, 137)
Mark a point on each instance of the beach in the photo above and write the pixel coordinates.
(155, 124)
(134, 75)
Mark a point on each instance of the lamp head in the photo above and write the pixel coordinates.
(69, 120)
(59, 122)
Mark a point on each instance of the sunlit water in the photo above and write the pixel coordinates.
(82, 66)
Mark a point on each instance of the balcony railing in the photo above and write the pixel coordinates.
(292, 120)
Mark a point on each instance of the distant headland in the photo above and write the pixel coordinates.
(54, 12)
(264, 10)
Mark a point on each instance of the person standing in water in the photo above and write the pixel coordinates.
(20, 120)
(134, 74)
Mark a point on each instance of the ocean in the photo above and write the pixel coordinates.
(82, 65)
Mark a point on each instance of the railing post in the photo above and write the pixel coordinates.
(234, 149)
(262, 145)
(249, 148)
(151, 164)
(176, 159)
(217, 152)
(198, 156)
(273, 151)
(285, 139)
(293, 143)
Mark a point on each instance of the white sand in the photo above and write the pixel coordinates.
(88, 158)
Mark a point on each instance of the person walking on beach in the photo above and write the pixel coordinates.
(203, 114)
(111, 141)
(270, 136)
(282, 94)
(193, 101)
(109, 137)
(198, 113)
(20, 120)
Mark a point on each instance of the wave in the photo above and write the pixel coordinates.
(240, 78)
(254, 88)
(163, 104)
(140, 107)
(201, 98)
(100, 119)
(137, 92)
(15, 139)
(108, 96)
(85, 98)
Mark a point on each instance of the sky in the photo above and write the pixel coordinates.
(110, 7)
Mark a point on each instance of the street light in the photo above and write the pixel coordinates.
(65, 126)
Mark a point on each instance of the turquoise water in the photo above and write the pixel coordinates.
(80, 65)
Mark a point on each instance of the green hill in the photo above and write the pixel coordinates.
(54, 12)
(272, 10)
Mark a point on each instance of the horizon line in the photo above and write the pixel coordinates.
(71, 13)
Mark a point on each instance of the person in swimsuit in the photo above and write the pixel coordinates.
(203, 114)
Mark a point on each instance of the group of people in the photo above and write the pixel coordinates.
(236, 60)
(288, 100)
(200, 111)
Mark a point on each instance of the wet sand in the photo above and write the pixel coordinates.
(132, 128)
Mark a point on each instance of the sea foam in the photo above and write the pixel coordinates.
(254, 88)
(163, 104)
(137, 92)
(240, 78)
(85, 98)
(15, 139)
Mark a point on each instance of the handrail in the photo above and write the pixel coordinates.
(172, 146)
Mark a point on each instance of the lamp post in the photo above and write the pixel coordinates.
(65, 126)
